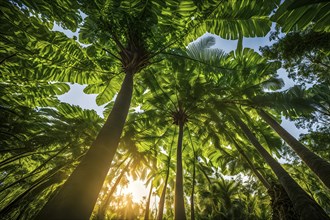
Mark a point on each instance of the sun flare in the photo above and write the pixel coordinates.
(136, 188)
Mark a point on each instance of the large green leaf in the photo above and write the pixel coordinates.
(64, 12)
(317, 14)
(231, 19)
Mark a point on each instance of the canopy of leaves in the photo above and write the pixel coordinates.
(42, 140)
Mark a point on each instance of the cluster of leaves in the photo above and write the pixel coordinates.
(305, 55)
(36, 154)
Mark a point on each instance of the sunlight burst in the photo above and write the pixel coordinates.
(137, 189)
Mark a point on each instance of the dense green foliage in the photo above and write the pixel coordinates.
(194, 109)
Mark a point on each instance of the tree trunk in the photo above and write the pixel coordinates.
(302, 202)
(77, 197)
(255, 171)
(179, 210)
(162, 197)
(319, 166)
(192, 203)
(103, 207)
(282, 206)
(146, 214)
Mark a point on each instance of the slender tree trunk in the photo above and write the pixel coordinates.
(206, 176)
(103, 207)
(77, 197)
(162, 197)
(179, 210)
(302, 202)
(282, 206)
(318, 165)
(255, 171)
(192, 203)
(146, 214)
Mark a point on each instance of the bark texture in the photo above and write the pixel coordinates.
(318, 165)
(179, 210)
(304, 205)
